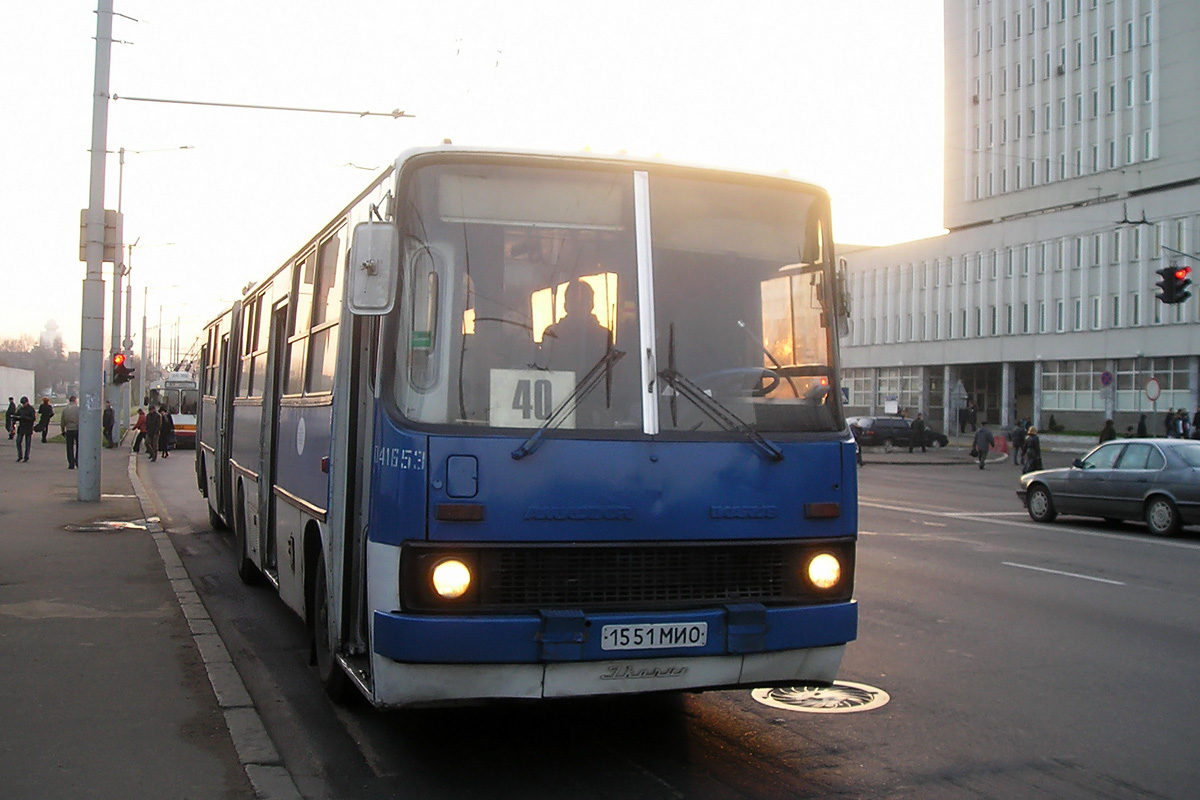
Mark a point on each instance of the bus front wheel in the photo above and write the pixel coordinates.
(333, 679)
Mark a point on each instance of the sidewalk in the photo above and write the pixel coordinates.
(958, 451)
(105, 692)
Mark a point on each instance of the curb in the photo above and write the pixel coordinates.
(255, 749)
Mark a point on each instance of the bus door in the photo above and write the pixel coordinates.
(221, 466)
(272, 392)
(364, 350)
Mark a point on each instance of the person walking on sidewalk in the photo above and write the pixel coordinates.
(983, 442)
(45, 412)
(153, 426)
(166, 433)
(918, 434)
(1017, 437)
(26, 415)
(107, 421)
(1031, 452)
(1108, 432)
(10, 417)
(69, 422)
(140, 427)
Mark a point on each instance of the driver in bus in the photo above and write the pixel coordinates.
(576, 343)
(578, 340)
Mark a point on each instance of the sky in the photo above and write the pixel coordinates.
(845, 93)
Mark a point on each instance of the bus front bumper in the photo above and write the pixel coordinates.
(421, 659)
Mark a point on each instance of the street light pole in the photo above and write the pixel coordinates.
(92, 319)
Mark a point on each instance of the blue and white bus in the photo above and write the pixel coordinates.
(528, 425)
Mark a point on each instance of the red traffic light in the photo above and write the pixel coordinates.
(1182, 273)
(120, 372)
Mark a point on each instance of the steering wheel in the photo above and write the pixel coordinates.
(737, 380)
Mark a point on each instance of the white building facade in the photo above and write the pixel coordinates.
(1072, 174)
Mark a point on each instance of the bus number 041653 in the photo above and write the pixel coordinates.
(400, 458)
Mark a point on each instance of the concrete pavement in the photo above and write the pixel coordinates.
(106, 690)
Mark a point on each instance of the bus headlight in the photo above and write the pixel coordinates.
(824, 571)
(451, 579)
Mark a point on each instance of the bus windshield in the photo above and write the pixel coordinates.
(520, 294)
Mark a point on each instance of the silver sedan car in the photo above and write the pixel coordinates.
(1156, 480)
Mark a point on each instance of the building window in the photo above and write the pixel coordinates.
(1024, 317)
(1116, 311)
(1058, 316)
(1077, 314)
(1135, 309)
(1041, 316)
(1096, 313)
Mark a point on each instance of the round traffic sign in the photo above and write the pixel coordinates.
(1153, 390)
(1105, 378)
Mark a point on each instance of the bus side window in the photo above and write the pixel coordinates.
(423, 316)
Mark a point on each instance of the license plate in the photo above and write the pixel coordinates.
(657, 636)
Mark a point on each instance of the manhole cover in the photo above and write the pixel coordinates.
(107, 526)
(842, 697)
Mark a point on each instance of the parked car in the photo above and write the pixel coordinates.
(1156, 480)
(891, 432)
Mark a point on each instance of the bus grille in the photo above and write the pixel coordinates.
(613, 577)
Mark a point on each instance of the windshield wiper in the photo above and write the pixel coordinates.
(717, 412)
(601, 369)
(712, 408)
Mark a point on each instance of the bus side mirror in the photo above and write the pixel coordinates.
(374, 268)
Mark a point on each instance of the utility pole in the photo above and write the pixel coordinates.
(92, 338)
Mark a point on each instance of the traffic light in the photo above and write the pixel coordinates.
(1174, 284)
(120, 372)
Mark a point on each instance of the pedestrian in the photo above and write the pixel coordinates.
(983, 442)
(972, 414)
(1031, 454)
(108, 420)
(69, 422)
(153, 426)
(1017, 437)
(1142, 431)
(1108, 432)
(140, 427)
(1196, 425)
(45, 412)
(25, 417)
(1183, 428)
(166, 433)
(1129, 432)
(10, 417)
(1169, 423)
(918, 433)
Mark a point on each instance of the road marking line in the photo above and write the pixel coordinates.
(1035, 526)
(1060, 572)
(986, 514)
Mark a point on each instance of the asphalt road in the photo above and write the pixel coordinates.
(1022, 660)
